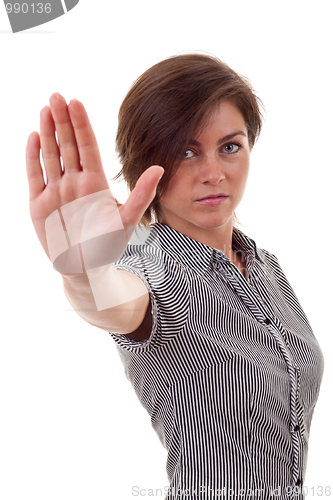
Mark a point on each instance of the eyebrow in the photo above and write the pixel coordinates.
(220, 141)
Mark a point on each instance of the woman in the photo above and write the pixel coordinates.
(211, 334)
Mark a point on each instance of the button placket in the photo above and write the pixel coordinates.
(258, 309)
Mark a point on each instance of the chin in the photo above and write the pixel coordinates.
(212, 222)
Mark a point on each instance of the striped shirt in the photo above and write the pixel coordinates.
(231, 371)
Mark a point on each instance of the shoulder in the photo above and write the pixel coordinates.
(271, 261)
(169, 292)
(152, 264)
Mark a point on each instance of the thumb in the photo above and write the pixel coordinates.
(141, 196)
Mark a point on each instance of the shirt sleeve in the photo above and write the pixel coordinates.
(168, 286)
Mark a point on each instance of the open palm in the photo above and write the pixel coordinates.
(81, 172)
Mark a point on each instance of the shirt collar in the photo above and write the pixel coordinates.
(194, 254)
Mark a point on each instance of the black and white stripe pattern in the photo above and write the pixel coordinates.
(231, 372)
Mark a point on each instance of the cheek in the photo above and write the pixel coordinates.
(175, 186)
(170, 195)
(243, 172)
(245, 175)
(177, 195)
(240, 180)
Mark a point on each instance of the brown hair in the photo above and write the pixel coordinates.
(169, 105)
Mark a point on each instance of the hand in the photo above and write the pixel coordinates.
(82, 173)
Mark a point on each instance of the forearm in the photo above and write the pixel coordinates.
(84, 238)
(122, 295)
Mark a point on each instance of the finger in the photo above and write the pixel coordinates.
(66, 137)
(49, 145)
(33, 166)
(88, 148)
(141, 196)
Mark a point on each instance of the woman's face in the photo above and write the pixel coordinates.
(216, 163)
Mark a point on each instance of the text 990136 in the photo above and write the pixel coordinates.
(25, 8)
(23, 15)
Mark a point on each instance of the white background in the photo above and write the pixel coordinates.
(71, 425)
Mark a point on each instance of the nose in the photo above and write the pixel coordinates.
(212, 170)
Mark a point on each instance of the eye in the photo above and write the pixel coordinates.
(188, 154)
(232, 147)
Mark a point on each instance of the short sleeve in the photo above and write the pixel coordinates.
(123, 340)
(168, 286)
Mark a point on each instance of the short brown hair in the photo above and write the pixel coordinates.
(167, 106)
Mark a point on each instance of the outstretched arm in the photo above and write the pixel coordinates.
(76, 217)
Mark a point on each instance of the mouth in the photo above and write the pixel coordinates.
(213, 197)
(213, 200)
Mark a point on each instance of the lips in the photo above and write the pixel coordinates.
(220, 195)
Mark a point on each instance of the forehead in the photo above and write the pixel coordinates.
(225, 118)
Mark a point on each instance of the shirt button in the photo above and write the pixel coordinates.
(267, 321)
(298, 482)
(296, 428)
